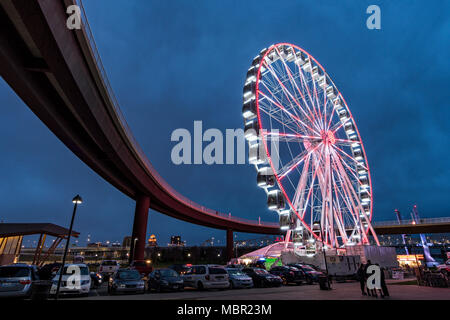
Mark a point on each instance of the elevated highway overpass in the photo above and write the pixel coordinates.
(58, 73)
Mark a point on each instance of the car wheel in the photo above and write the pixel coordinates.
(310, 281)
(200, 286)
(232, 285)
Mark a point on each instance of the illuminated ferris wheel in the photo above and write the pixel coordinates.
(307, 150)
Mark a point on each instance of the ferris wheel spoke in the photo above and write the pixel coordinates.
(289, 137)
(350, 158)
(348, 200)
(280, 103)
(358, 206)
(284, 123)
(305, 85)
(289, 94)
(294, 163)
(338, 212)
(294, 84)
(290, 114)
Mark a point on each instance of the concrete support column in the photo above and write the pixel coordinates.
(137, 247)
(230, 245)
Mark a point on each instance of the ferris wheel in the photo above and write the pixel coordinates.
(307, 150)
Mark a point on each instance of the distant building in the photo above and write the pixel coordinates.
(152, 241)
(176, 241)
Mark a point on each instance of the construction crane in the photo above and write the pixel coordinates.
(429, 260)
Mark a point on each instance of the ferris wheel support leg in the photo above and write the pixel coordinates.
(137, 247)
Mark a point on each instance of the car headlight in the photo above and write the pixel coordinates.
(122, 286)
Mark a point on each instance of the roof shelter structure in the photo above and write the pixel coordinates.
(11, 237)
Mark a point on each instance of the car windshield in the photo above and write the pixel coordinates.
(14, 272)
(128, 275)
(261, 271)
(236, 272)
(307, 268)
(217, 271)
(168, 273)
(84, 271)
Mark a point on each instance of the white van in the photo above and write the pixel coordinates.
(76, 279)
(206, 277)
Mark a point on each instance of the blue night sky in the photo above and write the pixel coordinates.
(173, 62)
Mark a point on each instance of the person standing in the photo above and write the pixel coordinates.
(360, 274)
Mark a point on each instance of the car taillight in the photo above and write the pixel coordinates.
(24, 282)
(292, 273)
(207, 277)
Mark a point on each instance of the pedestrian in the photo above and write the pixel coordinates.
(362, 279)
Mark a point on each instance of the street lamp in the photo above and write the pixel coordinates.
(76, 201)
(315, 224)
(134, 249)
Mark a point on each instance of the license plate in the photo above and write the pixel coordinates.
(6, 284)
(175, 287)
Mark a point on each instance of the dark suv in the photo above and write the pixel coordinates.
(262, 278)
(289, 274)
(311, 274)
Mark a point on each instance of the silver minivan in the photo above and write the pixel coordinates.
(206, 277)
(16, 280)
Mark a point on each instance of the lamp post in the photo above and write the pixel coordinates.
(134, 248)
(76, 200)
(317, 223)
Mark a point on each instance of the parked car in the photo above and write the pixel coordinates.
(445, 267)
(144, 267)
(165, 279)
(78, 286)
(108, 267)
(262, 278)
(126, 281)
(239, 279)
(312, 276)
(181, 268)
(16, 281)
(289, 274)
(96, 279)
(206, 277)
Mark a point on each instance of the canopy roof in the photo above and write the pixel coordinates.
(272, 250)
(23, 229)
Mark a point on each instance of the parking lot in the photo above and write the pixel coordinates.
(340, 291)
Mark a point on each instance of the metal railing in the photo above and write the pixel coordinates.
(410, 222)
(137, 149)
